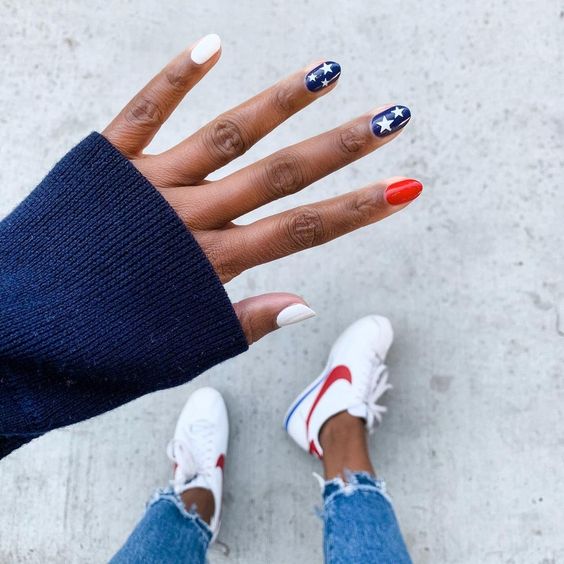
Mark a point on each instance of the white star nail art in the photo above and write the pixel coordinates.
(326, 68)
(385, 124)
(311, 77)
(398, 112)
(325, 82)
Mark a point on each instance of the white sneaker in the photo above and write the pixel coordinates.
(354, 379)
(199, 447)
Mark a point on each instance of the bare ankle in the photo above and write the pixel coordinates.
(340, 429)
(343, 439)
(201, 500)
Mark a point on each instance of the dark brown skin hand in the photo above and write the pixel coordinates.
(209, 209)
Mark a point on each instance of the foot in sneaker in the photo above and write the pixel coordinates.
(354, 379)
(199, 447)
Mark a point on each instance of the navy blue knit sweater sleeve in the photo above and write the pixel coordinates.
(104, 296)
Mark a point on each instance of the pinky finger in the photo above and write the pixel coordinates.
(263, 314)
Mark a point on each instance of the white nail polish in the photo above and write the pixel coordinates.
(294, 314)
(206, 48)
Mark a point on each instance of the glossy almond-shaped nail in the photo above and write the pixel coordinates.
(206, 48)
(294, 314)
(403, 191)
(322, 75)
(390, 120)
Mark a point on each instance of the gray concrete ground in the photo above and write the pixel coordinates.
(472, 274)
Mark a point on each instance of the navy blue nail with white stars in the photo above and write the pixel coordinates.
(322, 76)
(390, 120)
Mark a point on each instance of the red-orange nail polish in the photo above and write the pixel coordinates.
(403, 192)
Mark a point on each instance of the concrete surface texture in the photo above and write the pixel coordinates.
(472, 274)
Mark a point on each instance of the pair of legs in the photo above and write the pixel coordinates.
(330, 420)
(343, 438)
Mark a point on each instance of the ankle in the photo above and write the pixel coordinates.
(340, 429)
(343, 439)
(200, 500)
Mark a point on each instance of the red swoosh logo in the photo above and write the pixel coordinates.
(340, 372)
(220, 462)
(313, 450)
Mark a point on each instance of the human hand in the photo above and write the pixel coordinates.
(208, 209)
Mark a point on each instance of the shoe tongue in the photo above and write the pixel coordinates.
(181, 477)
(198, 481)
(358, 410)
(186, 466)
(183, 483)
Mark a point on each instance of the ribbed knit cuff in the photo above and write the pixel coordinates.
(104, 295)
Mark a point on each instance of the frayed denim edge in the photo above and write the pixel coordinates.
(168, 495)
(350, 485)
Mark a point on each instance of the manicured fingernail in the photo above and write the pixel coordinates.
(206, 48)
(390, 120)
(322, 75)
(403, 192)
(294, 314)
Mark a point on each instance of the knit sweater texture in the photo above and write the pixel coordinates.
(104, 296)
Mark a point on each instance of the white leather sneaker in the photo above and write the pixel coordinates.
(199, 447)
(353, 380)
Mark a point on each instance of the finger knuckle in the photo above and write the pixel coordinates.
(284, 99)
(305, 228)
(365, 206)
(144, 111)
(351, 140)
(220, 255)
(227, 272)
(226, 140)
(176, 79)
(284, 175)
(248, 325)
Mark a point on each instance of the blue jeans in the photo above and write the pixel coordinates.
(359, 528)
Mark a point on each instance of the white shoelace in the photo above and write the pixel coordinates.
(179, 453)
(192, 459)
(377, 386)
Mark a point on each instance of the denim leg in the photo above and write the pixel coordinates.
(167, 533)
(360, 526)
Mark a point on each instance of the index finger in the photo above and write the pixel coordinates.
(229, 135)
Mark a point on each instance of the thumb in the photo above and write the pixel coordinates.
(260, 315)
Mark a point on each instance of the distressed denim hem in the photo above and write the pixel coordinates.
(168, 495)
(353, 482)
